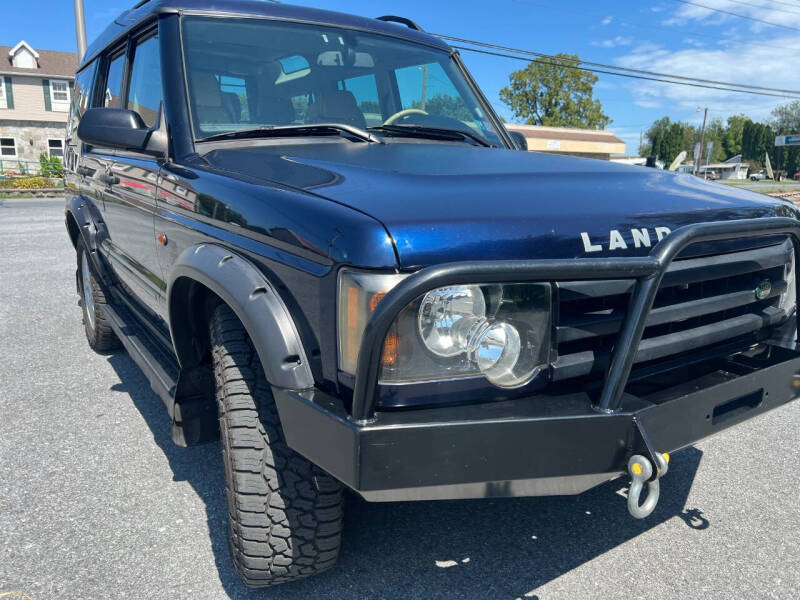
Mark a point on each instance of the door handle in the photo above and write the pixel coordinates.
(109, 179)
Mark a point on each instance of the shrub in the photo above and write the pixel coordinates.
(50, 166)
(25, 183)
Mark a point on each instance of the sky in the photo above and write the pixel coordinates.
(658, 35)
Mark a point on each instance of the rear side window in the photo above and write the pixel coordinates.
(144, 95)
(113, 93)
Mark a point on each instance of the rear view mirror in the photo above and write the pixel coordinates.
(120, 129)
(519, 140)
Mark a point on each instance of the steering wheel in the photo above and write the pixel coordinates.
(403, 113)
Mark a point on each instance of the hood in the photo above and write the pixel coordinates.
(448, 202)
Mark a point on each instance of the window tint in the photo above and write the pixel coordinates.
(113, 93)
(144, 95)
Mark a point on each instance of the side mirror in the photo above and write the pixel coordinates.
(519, 140)
(120, 129)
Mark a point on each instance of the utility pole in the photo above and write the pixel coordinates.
(702, 143)
(80, 28)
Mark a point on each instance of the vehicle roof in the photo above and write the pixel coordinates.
(130, 19)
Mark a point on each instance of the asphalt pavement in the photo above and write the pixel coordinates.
(96, 501)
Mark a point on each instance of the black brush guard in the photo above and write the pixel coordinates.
(545, 444)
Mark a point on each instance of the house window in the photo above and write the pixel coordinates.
(59, 94)
(2, 92)
(55, 148)
(8, 147)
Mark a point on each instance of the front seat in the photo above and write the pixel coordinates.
(208, 99)
(337, 106)
(273, 110)
(233, 105)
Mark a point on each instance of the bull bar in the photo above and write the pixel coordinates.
(540, 444)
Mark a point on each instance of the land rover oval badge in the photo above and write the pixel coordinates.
(763, 290)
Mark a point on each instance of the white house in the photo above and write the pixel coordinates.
(35, 95)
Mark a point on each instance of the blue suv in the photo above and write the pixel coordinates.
(318, 241)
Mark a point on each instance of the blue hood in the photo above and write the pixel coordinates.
(446, 202)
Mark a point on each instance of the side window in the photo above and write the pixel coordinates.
(365, 90)
(144, 92)
(81, 96)
(113, 93)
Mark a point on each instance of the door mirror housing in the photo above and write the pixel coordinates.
(519, 140)
(122, 129)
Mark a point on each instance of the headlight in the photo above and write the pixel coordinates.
(448, 316)
(500, 332)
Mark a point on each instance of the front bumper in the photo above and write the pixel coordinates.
(546, 444)
(543, 445)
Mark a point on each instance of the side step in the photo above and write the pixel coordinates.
(188, 396)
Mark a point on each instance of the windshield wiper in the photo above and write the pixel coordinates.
(434, 133)
(310, 129)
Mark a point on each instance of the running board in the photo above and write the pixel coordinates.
(188, 395)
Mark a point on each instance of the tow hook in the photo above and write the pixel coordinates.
(641, 472)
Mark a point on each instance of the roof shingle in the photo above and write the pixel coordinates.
(50, 63)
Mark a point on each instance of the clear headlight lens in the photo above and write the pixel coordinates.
(448, 316)
(789, 297)
(500, 332)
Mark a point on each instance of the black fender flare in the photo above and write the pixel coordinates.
(245, 289)
(91, 230)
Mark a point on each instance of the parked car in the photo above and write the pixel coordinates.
(358, 284)
(759, 175)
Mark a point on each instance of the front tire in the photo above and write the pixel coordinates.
(284, 513)
(99, 334)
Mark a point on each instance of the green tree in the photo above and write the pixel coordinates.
(446, 106)
(666, 139)
(732, 138)
(553, 92)
(785, 121)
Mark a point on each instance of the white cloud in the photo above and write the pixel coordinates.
(742, 63)
(776, 13)
(614, 42)
(607, 20)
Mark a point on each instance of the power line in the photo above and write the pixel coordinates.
(733, 14)
(618, 68)
(628, 75)
(766, 7)
(670, 30)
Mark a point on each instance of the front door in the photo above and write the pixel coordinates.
(130, 182)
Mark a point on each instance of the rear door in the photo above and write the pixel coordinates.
(130, 181)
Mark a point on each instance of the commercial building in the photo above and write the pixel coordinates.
(588, 143)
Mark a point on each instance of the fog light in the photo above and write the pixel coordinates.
(496, 353)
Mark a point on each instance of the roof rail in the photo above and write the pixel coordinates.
(402, 20)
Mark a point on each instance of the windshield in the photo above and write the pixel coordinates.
(249, 73)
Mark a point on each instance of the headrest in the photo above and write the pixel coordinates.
(206, 89)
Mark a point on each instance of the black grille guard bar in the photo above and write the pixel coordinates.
(648, 272)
